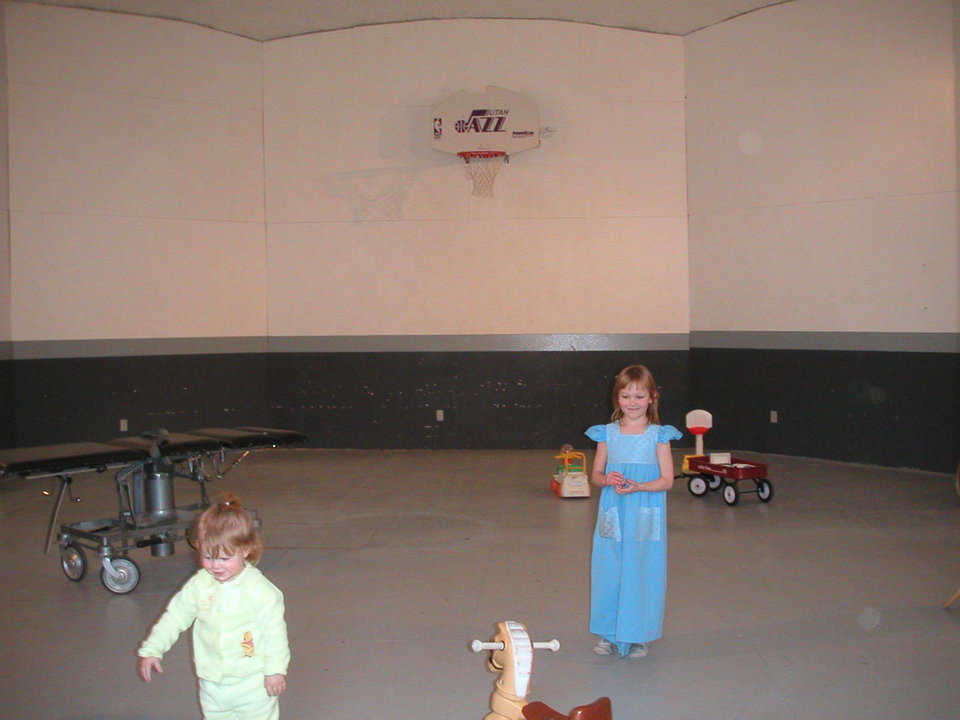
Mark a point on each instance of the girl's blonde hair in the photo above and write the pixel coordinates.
(640, 375)
(226, 529)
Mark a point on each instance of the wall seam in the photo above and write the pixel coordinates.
(263, 193)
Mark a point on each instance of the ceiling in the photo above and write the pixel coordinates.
(272, 19)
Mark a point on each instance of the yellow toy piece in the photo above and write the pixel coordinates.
(570, 474)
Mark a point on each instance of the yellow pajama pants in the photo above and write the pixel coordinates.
(237, 699)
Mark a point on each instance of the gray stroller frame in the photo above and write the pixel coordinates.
(147, 514)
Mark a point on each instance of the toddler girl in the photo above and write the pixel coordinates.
(239, 634)
(634, 468)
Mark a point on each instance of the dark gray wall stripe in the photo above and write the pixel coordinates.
(480, 343)
(876, 342)
(130, 347)
(858, 341)
(36, 350)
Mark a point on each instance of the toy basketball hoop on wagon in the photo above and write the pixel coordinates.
(484, 129)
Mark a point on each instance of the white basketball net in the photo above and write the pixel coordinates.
(482, 167)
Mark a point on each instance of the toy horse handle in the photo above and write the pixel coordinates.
(480, 646)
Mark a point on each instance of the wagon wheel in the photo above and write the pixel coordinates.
(697, 485)
(764, 490)
(730, 494)
(715, 481)
(128, 575)
(73, 562)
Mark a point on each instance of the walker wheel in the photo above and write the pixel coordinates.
(73, 562)
(730, 494)
(715, 481)
(764, 490)
(127, 579)
(697, 486)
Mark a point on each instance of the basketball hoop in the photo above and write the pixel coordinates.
(698, 422)
(482, 167)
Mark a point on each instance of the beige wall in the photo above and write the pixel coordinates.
(173, 181)
(5, 332)
(371, 231)
(822, 169)
(139, 190)
(956, 115)
(137, 184)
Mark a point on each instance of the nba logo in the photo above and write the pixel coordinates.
(437, 127)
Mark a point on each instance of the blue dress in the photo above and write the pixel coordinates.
(628, 579)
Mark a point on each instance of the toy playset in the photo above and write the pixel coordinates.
(570, 478)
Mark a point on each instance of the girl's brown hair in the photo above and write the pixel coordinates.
(226, 529)
(640, 375)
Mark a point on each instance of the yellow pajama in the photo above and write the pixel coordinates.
(239, 637)
(237, 699)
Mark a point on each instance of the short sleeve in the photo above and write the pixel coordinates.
(666, 433)
(597, 433)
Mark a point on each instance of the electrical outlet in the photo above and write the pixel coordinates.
(439, 415)
(774, 417)
(123, 424)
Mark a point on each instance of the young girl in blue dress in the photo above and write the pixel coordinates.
(634, 467)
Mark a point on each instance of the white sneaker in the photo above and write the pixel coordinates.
(603, 647)
(638, 650)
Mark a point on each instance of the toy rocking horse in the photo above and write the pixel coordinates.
(512, 656)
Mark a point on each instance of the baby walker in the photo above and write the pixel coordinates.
(716, 470)
(570, 474)
(511, 655)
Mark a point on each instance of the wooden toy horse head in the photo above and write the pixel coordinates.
(514, 661)
(512, 657)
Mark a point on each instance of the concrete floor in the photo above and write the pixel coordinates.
(825, 603)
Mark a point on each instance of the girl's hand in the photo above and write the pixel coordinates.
(626, 487)
(613, 478)
(275, 684)
(146, 664)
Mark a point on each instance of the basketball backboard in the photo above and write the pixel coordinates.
(496, 119)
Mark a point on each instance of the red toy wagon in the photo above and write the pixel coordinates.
(716, 470)
(706, 475)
